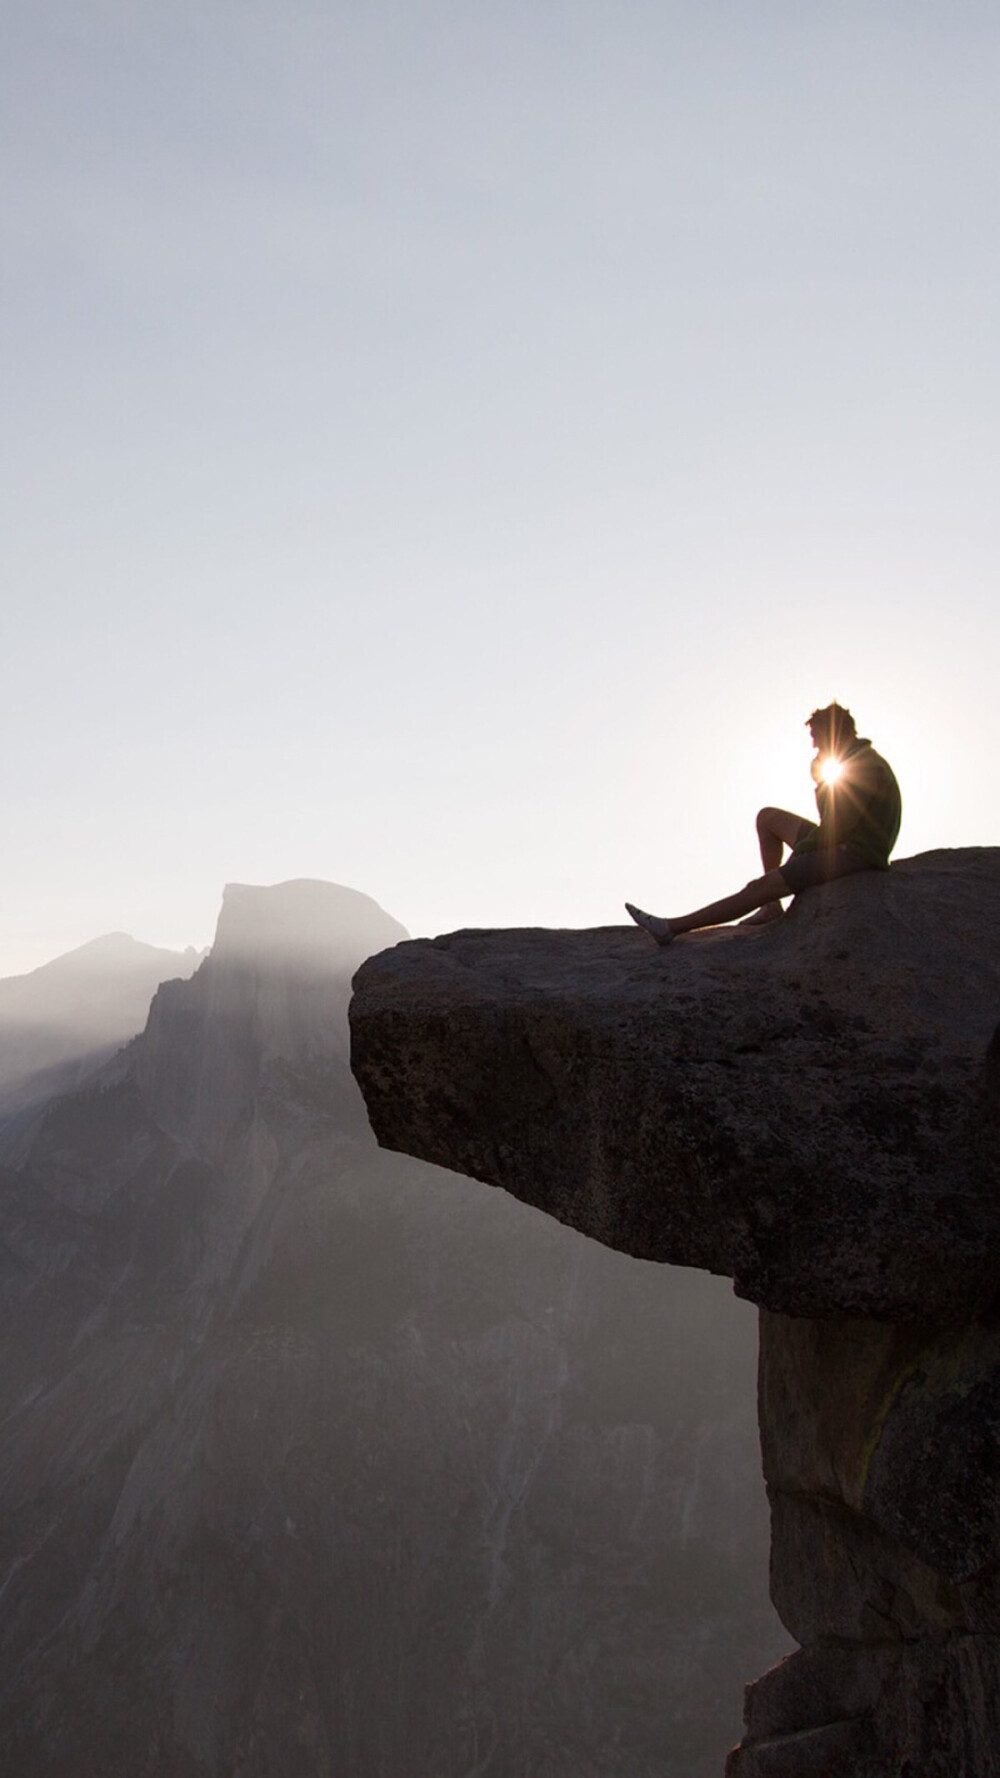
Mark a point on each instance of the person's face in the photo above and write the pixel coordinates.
(830, 735)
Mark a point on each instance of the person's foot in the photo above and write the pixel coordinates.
(659, 929)
(772, 910)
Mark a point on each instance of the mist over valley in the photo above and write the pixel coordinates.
(316, 1459)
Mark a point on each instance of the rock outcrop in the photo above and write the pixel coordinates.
(811, 1108)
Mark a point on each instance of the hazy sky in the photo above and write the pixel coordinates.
(450, 447)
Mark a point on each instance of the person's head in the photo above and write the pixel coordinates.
(832, 728)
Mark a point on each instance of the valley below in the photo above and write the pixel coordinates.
(319, 1461)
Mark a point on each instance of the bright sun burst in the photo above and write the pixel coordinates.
(831, 769)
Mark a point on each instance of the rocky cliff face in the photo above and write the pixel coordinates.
(58, 1023)
(318, 1461)
(812, 1109)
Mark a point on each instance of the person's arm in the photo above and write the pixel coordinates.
(820, 836)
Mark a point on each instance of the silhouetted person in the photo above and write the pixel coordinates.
(859, 813)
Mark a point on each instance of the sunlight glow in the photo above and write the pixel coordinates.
(830, 769)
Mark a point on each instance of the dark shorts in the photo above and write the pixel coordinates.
(806, 870)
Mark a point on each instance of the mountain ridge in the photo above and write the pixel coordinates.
(314, 1464)
(61, 1021)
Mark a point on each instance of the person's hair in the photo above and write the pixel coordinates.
(835, 720)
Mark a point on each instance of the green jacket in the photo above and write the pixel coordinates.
(862, 810)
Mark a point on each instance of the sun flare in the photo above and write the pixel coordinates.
(831, 769)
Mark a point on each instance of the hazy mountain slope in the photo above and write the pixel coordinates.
(317, 1462)
(62, 1020)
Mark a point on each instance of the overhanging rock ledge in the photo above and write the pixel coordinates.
(812, 1108)
(804, 1107)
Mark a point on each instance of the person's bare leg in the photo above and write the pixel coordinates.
(764, 916)
(762, 892)
(776, 829)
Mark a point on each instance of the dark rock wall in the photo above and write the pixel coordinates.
(813, 1109)
(880, 1446)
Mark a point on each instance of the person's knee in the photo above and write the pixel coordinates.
(780, 824)
(770, 887)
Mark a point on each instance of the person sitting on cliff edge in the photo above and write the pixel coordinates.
(859, 814)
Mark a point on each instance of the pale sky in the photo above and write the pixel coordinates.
(450, 448)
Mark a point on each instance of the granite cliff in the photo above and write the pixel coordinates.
(812, 1109)
(317, 1460)
(59, 1022)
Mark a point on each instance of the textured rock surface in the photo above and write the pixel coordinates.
(812, 1108)
(799, 1107)
(880, 1446)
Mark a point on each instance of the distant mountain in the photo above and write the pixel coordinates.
(317, 1463)
(58, 1023)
